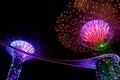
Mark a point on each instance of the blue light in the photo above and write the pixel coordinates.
(17, 50)
(23, 46)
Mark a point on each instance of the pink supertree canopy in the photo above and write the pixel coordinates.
(95, 32)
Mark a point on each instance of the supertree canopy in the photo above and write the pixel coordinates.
(89, 25)
(21, 45)
(96, 32)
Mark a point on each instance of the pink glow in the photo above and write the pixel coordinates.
(95, 31)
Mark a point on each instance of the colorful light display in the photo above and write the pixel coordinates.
(18, 57)
(95, 32)
(91, 62)
(85, 26)
(90, 26)
(107, 69)
(102, 15)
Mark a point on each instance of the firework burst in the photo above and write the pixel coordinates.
(87, 24)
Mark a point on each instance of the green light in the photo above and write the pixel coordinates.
(100, 45)
(11, 65)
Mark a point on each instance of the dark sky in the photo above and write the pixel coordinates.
(35, 22)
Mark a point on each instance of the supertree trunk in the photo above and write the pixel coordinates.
(15, 69)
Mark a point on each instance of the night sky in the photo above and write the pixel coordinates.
(35, 22)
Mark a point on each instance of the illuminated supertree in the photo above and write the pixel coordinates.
(18, 57)
(86, 27)
(92, 26)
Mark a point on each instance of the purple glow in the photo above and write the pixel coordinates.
(95, 31)
(19, 57)
(22, 45)
(91, 62)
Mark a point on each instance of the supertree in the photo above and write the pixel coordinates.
(18, 57)
(89, 27)
(92, 27)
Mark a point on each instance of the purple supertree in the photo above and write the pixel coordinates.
(18, 57)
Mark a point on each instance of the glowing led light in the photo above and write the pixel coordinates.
(95, 31)
(91, 62)
(11, 65)
(91, 26)
(22, 45)
(92, 15)
(101, 45)
(18, 57)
